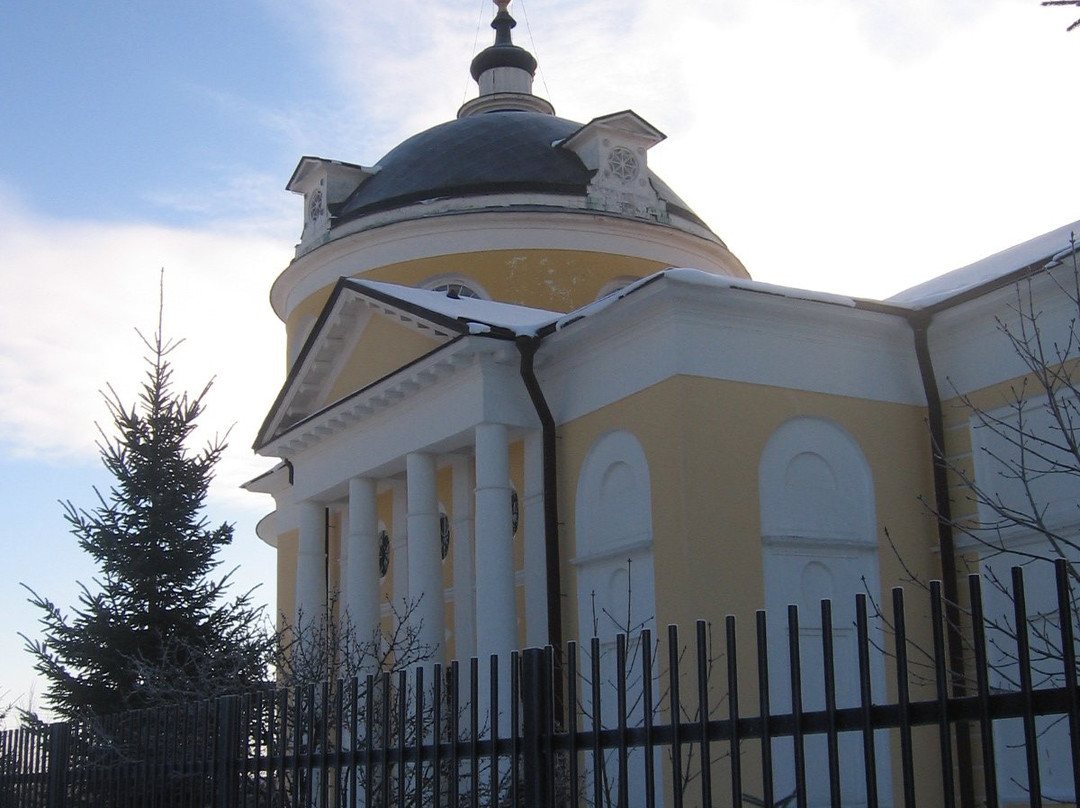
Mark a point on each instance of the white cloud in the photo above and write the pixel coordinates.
(823, 163)
(75, 293)
(846, 145)
(254, 202)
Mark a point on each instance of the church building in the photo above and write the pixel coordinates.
(533, 397)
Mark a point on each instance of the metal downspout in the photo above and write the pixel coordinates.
(527, 347)
(920, 325)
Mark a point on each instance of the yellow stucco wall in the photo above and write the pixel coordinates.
(703, 440)
(560, 280)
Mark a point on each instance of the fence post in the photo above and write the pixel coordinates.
(536, 722)
(56, 784)
(227, 741)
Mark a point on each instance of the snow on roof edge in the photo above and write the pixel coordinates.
(1051, 246)
(479, 316)
(701, 278)
(482, 316)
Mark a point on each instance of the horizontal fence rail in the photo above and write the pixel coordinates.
(844, 714)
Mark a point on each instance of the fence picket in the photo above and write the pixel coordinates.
(866, 700)
(829, 674)
(675, 716)
(1023, 658)
(733, 712)
(903, 700)
(795, 663)
(1068, 657)
(982, 685)
(942, 691)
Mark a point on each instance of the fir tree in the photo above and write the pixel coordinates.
(159, 625)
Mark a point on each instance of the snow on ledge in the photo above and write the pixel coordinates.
(700, 278)
(484, 316)
(1052, 246)
(480, 316)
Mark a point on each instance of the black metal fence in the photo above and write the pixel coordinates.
(634, 722)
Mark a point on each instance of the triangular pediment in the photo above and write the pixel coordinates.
(371, 332)
(626, 126)
(356, 341)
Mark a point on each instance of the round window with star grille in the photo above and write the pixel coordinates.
(316, 206)
(384, 553)
(622, 163)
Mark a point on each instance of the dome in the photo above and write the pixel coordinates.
(498, 152)
(503, 152)
(541, 210)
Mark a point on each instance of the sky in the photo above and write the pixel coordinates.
(849, 146)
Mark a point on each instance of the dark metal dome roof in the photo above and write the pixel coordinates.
(498, 152)
(491, 153)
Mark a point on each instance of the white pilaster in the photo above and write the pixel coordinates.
(496, 618)
(532, 523)
(311, 564)
(462, 550)
(425, 560)
(361, 591)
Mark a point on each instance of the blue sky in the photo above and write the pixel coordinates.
(841, 145)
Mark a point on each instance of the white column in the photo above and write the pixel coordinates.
(425, 558)
(462, 550)
(532, 522)
(311, 564)
(496, 619)
(361, 595)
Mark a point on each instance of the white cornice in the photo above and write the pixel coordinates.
(433, 406)
(663, 330)
(393, 391)
(970, 351)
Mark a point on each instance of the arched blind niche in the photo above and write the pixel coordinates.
(819, 540)
(616, 585)
(613, 526)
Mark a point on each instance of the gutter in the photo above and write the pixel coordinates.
(527, 347)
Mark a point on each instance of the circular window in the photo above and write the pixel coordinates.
(384, 553)
(455, 289)
(622, 163)
(316, 206)
(444, 535)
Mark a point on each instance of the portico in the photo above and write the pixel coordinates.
(444, 423)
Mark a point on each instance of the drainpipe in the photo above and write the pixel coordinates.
(920, 325)
(527, 347)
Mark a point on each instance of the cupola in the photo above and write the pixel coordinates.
(504, 71)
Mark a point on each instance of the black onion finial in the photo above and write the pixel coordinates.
(502, 23)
